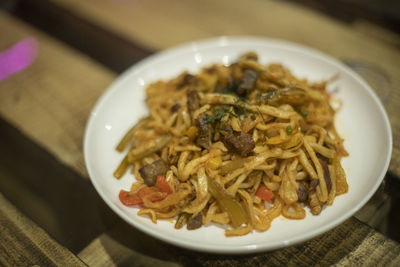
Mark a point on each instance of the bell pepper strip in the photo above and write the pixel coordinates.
(265, 194)
(129, 200)
(122, 167)
(182, 219)
(155, 146)
(128, 136)
(227, 203)
(162, 187)
(145, 191)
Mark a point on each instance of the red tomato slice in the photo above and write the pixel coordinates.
(265, 194)
(129, 200)
(163, 185)
(144, 191)
(149, 190)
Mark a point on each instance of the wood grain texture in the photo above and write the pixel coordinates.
(51, 100)
(160, 24)
(51, 194)
(23, 243)
(326, 250)
(123, 245)
(375, 250)
(350, 244)
(98, 43)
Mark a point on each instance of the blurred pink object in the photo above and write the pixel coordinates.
(18, 57)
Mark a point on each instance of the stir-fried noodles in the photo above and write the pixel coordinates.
(236, 145)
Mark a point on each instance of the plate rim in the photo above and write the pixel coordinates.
(226, 41)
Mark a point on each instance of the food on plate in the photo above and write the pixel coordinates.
(236, 145)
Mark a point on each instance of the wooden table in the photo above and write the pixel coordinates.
(50, 213)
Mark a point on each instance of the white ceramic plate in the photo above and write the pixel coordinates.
(362, 122)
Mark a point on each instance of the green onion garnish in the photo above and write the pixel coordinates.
(304, 113)
(289, 129)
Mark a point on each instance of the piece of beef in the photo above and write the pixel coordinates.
(204, 134)
(150, 172)
(192, 100)
(327, 176)
(175, 107)
(302, 192)
(241, 143)
(195, 222)
(247, 82)
(187, 79)
(320, 157)
(313, 184)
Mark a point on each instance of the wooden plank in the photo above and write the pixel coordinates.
(161, 24)
(341, 243)
(23, 243)
(352, 243)
(124, 245)
(376, 250)
(51, 194)
(98, 43)
(51, 100)
(376, 32)
(66, 116)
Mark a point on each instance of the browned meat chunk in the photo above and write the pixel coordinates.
(302, 192)
(247, 82)
(187, 79)
(175, 107)
(195, 222)
(204, 135)
(150, 172)
(327, 176)
(241, 144)
(313, 184)
(192, 99)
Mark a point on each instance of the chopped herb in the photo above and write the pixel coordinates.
(304, 113)
(237, 100)
(218, 116)
(241, 106)
(240, 100)
(259, 112)
(268, 96)
(227, 111)
(258, 95)
(253, 117)
(233, 114)
(289, 129)
(210, 118)
(224, 129)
